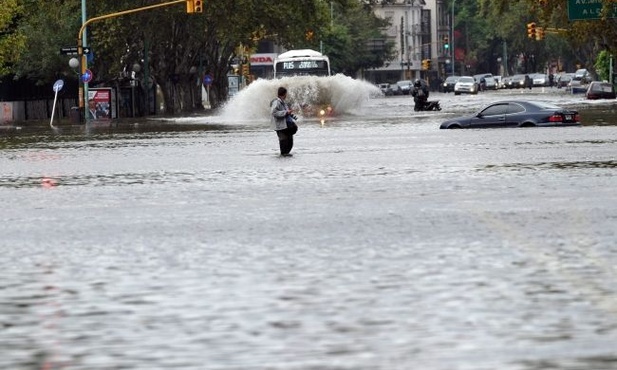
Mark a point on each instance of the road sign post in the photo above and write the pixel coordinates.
(58, 85)
(207, 82)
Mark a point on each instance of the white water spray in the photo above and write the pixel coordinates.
(343, 94)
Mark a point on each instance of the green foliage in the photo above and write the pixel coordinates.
(355, 40)
(602, 65)
(12, 43)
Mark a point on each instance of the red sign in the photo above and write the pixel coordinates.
(262, 59)
(99, 103)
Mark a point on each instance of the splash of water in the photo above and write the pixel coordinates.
(343, 94)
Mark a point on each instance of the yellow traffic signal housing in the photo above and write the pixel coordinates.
(245, 69)
(428, 64)
(194, 6)
(198, 6)
(540, 33)
(531, 30)
(424, 64)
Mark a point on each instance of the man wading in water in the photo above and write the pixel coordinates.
(281, 113)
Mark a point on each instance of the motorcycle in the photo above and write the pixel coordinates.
(432, 105)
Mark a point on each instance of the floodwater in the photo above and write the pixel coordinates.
(384, 243)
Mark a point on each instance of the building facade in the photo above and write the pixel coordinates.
(420, 30)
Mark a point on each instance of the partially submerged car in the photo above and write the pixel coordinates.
(516, 113)
(600, 90)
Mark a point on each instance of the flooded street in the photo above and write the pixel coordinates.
(384, 243)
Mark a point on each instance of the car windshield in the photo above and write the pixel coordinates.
(451, 79)
(404, 83)
(466, 79)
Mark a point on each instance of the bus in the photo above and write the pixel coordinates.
(303, 62)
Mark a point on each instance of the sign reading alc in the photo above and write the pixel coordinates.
(590, 9)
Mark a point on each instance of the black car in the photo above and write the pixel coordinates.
(516, 113)
(448, 84)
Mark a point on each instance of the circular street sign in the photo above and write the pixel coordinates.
(58, 85)
(208, 80)
(87, 76)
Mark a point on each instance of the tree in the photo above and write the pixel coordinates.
(182, 47)
(12, 43)
(576, 42)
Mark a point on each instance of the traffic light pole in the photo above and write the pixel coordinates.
(84, 61)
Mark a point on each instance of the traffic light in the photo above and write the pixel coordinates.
(198, 6)
(428, 64)
(531, 30)
(245, 70)
(540, 33)
(446, 45)
(424, 64)
(194, 6)
(308, 35)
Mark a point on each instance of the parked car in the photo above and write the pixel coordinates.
(405, 85)
(386, 89)
(517, 82)
(505, 82)
(489, 80)
(396, 89)
(448, 84)
(563, 80)
(539, 79)
(466, 85)
(578, 86)
(580, 74)
(516, 113)
(600, 90)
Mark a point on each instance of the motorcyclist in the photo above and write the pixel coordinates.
(420, 95)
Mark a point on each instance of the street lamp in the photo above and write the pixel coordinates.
(452, 49)
(75, 114)
(74, 63)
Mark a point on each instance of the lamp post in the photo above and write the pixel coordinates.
(453, 46)
(75, 114)
(83, 99)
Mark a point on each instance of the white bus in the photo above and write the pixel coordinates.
(304, 62)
